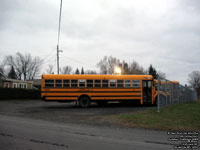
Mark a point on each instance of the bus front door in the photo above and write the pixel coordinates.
(147, 92)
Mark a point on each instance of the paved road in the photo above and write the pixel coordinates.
(18, 133)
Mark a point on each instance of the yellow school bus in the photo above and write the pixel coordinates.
(168, 90)
(166, 87)
(85, 89)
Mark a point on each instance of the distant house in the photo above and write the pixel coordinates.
(13, 83)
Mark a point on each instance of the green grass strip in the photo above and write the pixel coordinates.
(185, 116)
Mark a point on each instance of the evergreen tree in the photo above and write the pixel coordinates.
(12, 74)
(82, 71)
(77, 71)
(153, 72)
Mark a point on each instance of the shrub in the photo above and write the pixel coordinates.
(14, 93)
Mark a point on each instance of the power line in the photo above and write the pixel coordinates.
(79, 62)
(46, 56)
(49, 60)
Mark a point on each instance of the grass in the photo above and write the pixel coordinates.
(185, 116)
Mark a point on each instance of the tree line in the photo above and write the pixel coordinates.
(22, 67)
(108, 63)
(26, 67)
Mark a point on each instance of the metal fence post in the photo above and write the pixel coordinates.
(170, 93)
(158, 105)
(166, 91)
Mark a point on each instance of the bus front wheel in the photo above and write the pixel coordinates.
(84, 102)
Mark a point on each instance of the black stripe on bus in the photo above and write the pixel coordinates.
(118, 96)
(102, 96)
(91, 91)
(61, 96)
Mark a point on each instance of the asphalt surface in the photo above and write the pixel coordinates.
(18, 133)
(34, 124)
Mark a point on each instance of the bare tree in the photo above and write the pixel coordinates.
(33, 68)
(66, 70)
(50, 69)
(161, 75)
(112, 63)
(103, 65)
(26, 66)
(124, 67)
(194, 79)
(107, 64)
(135, 68)
(2, 67)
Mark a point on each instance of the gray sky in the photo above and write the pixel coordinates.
(164, 33)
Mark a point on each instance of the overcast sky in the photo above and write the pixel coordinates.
(164, 33)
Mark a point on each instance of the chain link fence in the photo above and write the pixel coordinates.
(172, 92)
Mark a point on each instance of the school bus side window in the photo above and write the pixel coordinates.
(49, 83)
(81, 83)
(104, 83)
(90, 83)
(136, 83)
(97, 83)
(66, 83)
(112, 83)
(58, 83)
(120, 84)
(127, 83)
(74, 83)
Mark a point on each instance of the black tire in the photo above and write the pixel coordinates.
(84, 102)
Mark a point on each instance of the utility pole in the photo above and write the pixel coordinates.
(59, 37)
(58, 59)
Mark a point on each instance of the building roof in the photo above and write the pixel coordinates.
(2, 75)
(14, 80)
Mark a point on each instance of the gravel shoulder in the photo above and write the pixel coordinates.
(66, 112)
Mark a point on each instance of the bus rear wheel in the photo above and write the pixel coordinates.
(84, 102)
